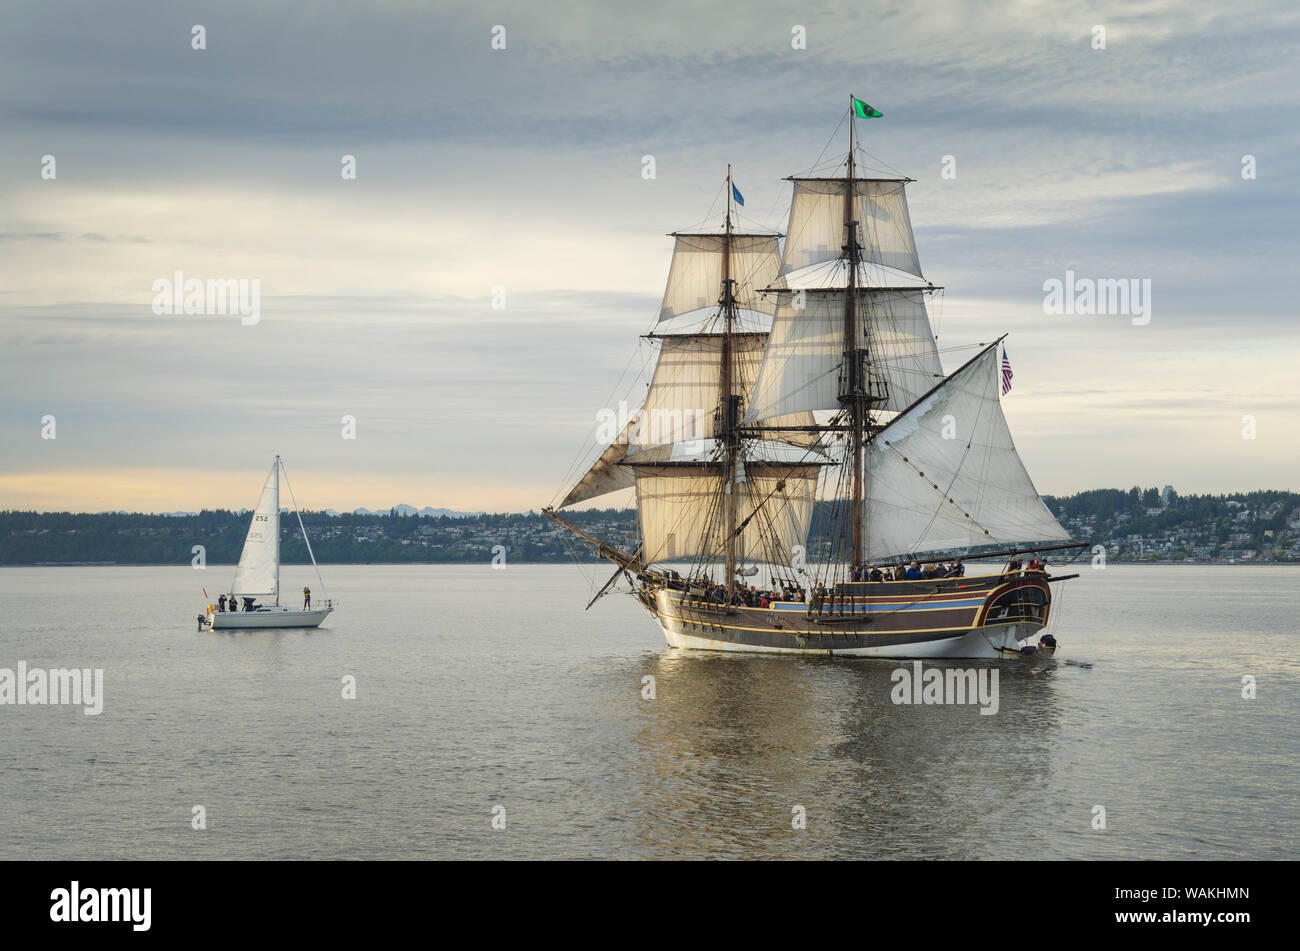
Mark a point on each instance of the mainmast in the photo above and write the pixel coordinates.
(730, 403)
(852, 395)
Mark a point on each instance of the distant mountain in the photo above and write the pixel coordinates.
(407, 511)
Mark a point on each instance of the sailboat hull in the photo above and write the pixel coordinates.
(957, 618)
(272, 618)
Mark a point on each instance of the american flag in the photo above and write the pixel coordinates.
(1006, 373)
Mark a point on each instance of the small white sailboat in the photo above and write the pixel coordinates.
(258, 574)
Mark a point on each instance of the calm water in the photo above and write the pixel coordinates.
(478, 688)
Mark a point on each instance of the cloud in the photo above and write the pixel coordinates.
(521, 169)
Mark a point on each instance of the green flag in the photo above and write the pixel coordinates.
(864, 111)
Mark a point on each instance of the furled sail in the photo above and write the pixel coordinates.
(695, 275)
(817, 231)
(680, 510)
(946, 474)
(801, 363)
(259, 563)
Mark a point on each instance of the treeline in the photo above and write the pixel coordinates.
(35, 538)
(31, 538)
(1215, 513)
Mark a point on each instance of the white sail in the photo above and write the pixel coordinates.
(685, 395)
(605, 474)
(800, 372)
(817, 231)
(686, 390)
(946, 474)
(258, 573)
(695, 275)
(681, 510)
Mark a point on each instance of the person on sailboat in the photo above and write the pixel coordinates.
(306, 598)
(234, 604)
(221, 604)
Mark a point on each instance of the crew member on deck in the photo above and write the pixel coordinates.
(306, 598)
(221, 604)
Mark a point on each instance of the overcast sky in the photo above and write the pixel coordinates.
(522, 167)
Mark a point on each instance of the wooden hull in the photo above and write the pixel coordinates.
(976, 617)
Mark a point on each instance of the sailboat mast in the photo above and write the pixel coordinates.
(277, 530)
(730, 416)
(851, 389)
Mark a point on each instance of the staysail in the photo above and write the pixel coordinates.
(605, 474)
(945, 474)
(258, 573)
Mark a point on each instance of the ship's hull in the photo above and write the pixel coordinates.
(981, 617)
(273, 618)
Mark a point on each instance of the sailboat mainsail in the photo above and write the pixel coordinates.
(258, 573)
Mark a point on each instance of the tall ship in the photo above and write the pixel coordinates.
(808, 479)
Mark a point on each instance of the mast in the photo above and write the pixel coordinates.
(852, 395)
(730, 416)
(278, 464)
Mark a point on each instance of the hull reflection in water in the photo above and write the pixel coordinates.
(734, 743)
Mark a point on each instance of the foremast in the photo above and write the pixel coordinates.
(711, 505)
